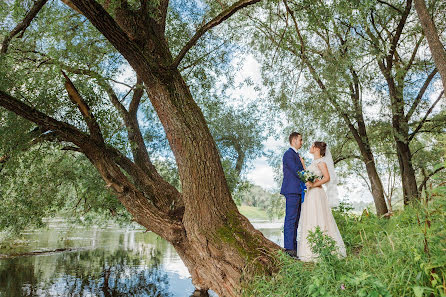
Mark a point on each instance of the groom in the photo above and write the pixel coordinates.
(292, 188)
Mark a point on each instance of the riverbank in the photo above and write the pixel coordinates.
(253, 213)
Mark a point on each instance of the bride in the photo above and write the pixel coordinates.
(316, 209)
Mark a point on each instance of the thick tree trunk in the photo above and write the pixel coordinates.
(362, 139)
(216, 243)
(400, 127)
(410, 190)
(221, 243)
(437, 49)
(375, 181)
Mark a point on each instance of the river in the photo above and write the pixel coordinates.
(109, 261)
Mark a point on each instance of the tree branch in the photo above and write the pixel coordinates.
(136, 99)
(212, 23)
(399, 30)
(342, 158)
(420, 94)
(106, 158)
(199, 59)
(426, 178)
(390, 5)
(414, 53)
(64, 130)
(164, 4)
(71, 148)
(420, 125)
(136, 139)
(88, 116)
(109, 28)
(21, 27)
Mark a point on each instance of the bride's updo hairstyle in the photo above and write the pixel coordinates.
(322, 146)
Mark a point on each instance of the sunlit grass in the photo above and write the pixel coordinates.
(252, 212)
(401, 256)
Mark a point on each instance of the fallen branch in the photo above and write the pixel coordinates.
(35, 253)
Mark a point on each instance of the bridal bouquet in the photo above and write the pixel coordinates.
(306, 176)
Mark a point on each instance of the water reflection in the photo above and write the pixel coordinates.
(108, 262)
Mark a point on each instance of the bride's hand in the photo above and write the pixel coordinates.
(309, 184)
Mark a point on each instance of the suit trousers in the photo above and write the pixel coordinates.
(292, 215)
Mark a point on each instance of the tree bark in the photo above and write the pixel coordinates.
(433, 39)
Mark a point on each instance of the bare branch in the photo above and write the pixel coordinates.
(114, 100)
(399, 30)
(427, 177)
(71, 148)
(378, 32)
(390, 5)
(163, 10)
(420, 125)
(414, 53)
(212, 23)
(71, 5)
(77, 99)
(421, 93)
(365, 180)
(136, 99)
(21, 27)
(346, 157)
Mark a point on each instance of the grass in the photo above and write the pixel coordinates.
(401, 256)
(252, 212)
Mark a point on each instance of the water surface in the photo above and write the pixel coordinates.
(110, 261)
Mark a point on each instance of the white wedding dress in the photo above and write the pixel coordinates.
(315, 212)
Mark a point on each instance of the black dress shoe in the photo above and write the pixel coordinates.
(292, 254)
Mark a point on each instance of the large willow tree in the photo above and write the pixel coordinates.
(216, 243)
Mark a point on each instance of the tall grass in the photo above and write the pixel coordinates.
(404, 255)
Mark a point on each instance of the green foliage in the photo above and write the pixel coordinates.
(44, 182)
(336, 44)
(400, 256)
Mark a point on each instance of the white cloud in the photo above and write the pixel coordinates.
(262, 174)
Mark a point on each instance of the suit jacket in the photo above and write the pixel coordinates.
(291, 183)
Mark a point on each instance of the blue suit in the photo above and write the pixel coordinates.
(292, 188)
